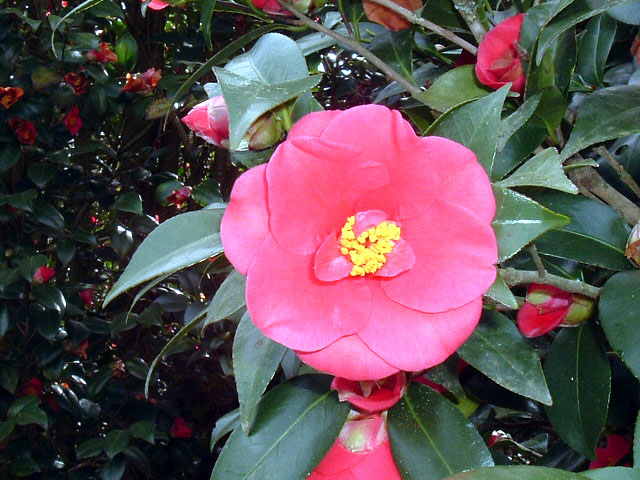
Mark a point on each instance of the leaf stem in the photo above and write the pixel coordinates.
(512, 277)
(624, 175)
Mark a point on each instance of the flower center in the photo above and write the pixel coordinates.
(368, 251)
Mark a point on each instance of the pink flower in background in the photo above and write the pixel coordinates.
(617, 448)
(371, 395)
(210, 121)
(157, 4)
(362, 251)
(43, 274)
(180, 428)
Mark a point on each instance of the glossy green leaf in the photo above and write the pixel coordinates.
(286, 442)
(47, 214)
(255, 361)
(519, 220)
(454, 88)
(498, 349)
(225, 424)
(395, 49)
(49, 297)
(115, 441)
(9, 156)
(113, 469)
(517, 472)
(229, 298)
(536, 18)
(6, 428)
(65, 250)
(594, 48)
(627, 12)
(619, 306)
(430, 438)
(55, 24)
(475, 125)
(542, 170)
(144, 430)
(31, 414)
(501, 293)
(90, 448)
(129, 202)
(510, 125)
(179, 242)
(596, 234)
(579, 378)
(304, 105)
(604, 115)
(612, 473)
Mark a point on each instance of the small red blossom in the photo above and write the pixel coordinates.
(24, 129)
(210, 121)
(43, 275)
(142, 82)
(72, 120)
(617, 448)
(178, 197)
(371, 395)
(32, 387)
(157, 4)
(81, 350)
(64, 3)
(180, 428)
(77, 81)
(86, 296)
(498, 57)
(547, 307)
(9, 96)
(388, 18)
(104, 55)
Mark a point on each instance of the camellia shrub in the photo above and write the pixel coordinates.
(363, 239)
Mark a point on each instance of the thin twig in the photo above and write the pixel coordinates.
(512, 277)
(467, 9)
(413, 18)
(356, 47)
(624, 176)
(537, 260)
(175, 121)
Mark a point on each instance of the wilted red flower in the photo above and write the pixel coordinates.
(32, 387)
(498, 57)
(72, 120)
(25, 130)
(104, 55)
(142, 82)
(9, 96)
(210, 121)
(178, 197)
(86, 296)
(362, 452)
(43, 274)
(388, 18)
(371, 395)
(546, 307)
(362, 251)
(617, 448)
(180, 428)
(77, 81)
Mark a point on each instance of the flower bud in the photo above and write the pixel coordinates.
(265, 132)
(43, 275)
(371, 395)
(633, 246)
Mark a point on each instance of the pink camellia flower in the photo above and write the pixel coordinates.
(72, 120)
(43, 275)
(210, 121)
(617, 448)
(498, 58)
(371, 395)
(363, 251)
(86, 296)
(178, 197)
(180, 428)
(32, 387)
(547, 307)
(388, 18)
(104, 55)
(157, 4)
(362, 452)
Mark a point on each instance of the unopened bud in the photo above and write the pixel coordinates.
(580, 310)
(265, 132)
(633, 246)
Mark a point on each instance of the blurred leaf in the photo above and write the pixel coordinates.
(519, 220)
(24, 466)
(516, 472)
(127, 51)
(542, 170)
(255, 361)
(594, 48)
(6, 428)
(612, 473)
(178, 242)
(206, 193)
(285, 442)
(144, 430)
(229, 298)
(430, 438)
(115, 441)
(498, 349)
(627, 12)
(65, 250)
(206, 13)
(579, 378)
(139, 460)
(46, 214)
(57, 21)
(636, 442)
(9, 155)
(129, 202)
(50, 297)
(619, 306)
(113, 469)
(41, 173)
(90, 448)
(501, 293)
(31, 414)
(4, 319)
(454, 88)
(97, 381)
(224, 425)
(9, 377)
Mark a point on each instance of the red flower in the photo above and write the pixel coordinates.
(274, 8)
(178, 197)
(362, 452)
(362, 251)
(77, 81)
(9, 96)
(32, 387)
(465, 58)
(81, 350)
(104, 55)
(43, 274)
(210, 121)
(72, 120)
(25, 130)
(157, 4)
(142, 82)
(87, 297)
(388, 18)
(617, 448)
(369, 395)
(547, 307)
(498, 58)
(180, 429)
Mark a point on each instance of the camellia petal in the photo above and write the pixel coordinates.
(371, 395)
(330, 264)
(245, 222)
(532, 323)
(313, 124)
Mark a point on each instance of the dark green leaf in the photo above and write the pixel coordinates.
(510, 125)
(536, 18)
(115, 441)
(46, 214)
(303, 105)
(519, 472)
(579, 378)
(454, 88)
(9, 155)
(4, 319)
(41, 173)
(498, 349)
(612, 473)
(49, 297)
(636, 442)
(542, 170)
(6, 428)
(224, 425)
(594, 48)
(90, 448)
(229, 298)
(627, 12)
(127, 51)
(31, 414)
(113, 469)
(65, 250)
(144, 430)
(24, 467)
(501, 293)
(206, 13)
(395, 49)
(430, 438)
(97, 381)
(129, 202)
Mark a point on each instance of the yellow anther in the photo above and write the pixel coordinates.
(367, 252)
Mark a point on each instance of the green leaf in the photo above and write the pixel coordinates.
(501, 293)
(206, 13)
(24, 466)
(430, 438)
(498, 349)
(596, 235)
(594, 48)
(475, 125)
(619, 306)
(229, 298)
(604, 115)
(225, 424)
(6, 428)
(49, 297)
(248, 99)
(536, 18)
(517, 472)
(286, 442)
(176, 243)
(612, 473)
(396, 50)
(115, 441)
(21, 403)
(90, 448)
(65, 250)
(127, 51)
(519, 220)
(55, 24)
(303, 105)
(144, 430)
(113, 469)
(41, 173)
(255, 361)
(542, 170)
(579, 378)
(31, 414)
(454, 88)
(636, 442)
(510, 125)
(9, 156)
(627, 13)
(46, 214)
(129, 202)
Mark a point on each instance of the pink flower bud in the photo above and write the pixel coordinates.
(213, 130)
(633, 246)
(43, 275)
(371, 395)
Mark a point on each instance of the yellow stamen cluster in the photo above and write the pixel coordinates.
(368, 251)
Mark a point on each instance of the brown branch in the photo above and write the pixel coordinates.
(624, 176)
(467, 9)
(175, 121)
(512, 277)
